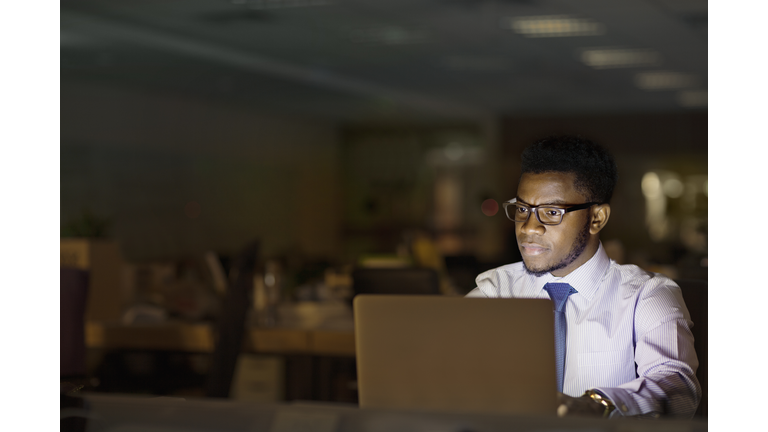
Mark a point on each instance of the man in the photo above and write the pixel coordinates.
(626, 346)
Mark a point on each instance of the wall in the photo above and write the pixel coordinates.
(177, 176)
(432, 178)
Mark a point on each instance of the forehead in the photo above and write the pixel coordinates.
(549, 188)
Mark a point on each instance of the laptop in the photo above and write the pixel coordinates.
(455, 354)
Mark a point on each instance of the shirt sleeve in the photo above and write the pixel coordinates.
(476, 293)
(665, 358)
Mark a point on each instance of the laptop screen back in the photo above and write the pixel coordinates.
(455, 354)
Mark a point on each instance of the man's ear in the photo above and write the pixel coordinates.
(600, 215)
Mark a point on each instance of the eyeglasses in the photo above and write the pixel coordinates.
(546, 214)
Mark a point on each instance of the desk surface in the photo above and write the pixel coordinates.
(200, 338)
(119, 413)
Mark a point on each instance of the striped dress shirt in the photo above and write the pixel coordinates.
(628, 333)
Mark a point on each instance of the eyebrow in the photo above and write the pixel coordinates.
(555, 202)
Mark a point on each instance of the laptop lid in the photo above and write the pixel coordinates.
(455, 354)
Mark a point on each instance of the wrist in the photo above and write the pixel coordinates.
(602, 400)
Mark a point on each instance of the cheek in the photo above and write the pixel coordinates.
(570, 233)
(518, 231)
(558, 244)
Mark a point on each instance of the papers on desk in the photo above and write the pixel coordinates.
(330, 315)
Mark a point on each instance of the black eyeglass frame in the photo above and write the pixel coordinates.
(534, 210)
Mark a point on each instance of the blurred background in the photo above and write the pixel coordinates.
(292, 143)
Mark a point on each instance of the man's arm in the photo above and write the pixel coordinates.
(476, 293)
(665, 358)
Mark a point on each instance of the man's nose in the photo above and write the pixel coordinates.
(532, 225)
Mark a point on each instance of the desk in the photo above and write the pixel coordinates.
(120, 413)
(200, 338)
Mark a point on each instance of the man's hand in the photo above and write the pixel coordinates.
(580, 406)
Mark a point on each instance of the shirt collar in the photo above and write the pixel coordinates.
(585, 278)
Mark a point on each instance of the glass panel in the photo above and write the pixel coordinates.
(521, 212)
(550, 215)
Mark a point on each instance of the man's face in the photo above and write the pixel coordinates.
(557, 249)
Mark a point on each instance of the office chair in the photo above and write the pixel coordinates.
(230, 328)
(72, 302)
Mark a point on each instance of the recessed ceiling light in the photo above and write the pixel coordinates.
(692, 98)
(553, 26)
(662, 80)
(606, 58)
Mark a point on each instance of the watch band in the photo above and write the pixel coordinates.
(602, 400)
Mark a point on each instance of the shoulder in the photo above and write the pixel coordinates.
(655, 295)
(498, 282)
(630, 278)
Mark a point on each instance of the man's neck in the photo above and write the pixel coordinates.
(582, 259)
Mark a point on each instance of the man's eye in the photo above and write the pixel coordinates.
(522, 210)
(550, 212)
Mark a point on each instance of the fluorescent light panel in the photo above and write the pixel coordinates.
(662, 80)
(607, 58)
(554, 26)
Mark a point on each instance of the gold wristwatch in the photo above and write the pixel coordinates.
(602, 400)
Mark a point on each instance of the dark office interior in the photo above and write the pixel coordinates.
(234, 172)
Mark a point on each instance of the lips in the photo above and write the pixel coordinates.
(532, 249)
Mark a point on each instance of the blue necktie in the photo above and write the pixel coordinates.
(559, 293)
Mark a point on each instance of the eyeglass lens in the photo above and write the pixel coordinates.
(547, 215)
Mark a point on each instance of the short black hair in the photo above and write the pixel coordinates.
(594, 167)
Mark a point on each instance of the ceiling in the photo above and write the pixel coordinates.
(352, 60)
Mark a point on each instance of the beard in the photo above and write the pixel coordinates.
(579, 244)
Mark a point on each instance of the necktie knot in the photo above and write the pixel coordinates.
(559, 293)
